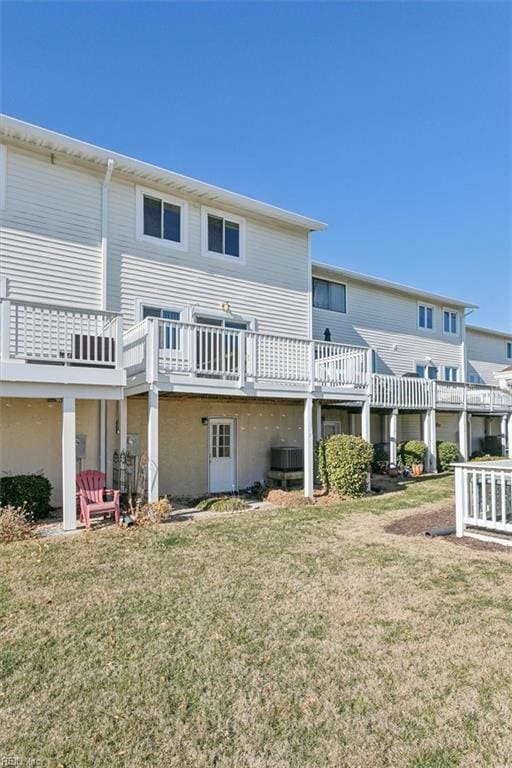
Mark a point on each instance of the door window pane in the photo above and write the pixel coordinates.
(172, 222)
(232, 238)
(152, 216)
(215, 234)
(432, 372)
(420, 370)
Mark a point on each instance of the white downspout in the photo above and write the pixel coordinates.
(104, 257)
(463, 349)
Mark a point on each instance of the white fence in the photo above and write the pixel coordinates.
(397, 392)
(483, 496)
(43, 333)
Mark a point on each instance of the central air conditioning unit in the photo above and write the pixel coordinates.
(287, 459)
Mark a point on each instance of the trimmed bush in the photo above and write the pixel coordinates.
(411, 452)
(344, 462)
(29, 491)
(447, 453)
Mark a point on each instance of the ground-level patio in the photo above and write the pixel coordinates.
(311, 636)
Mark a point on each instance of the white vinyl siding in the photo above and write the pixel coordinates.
(487, 354)
(272, 286)
(51, 231)
(386, 320)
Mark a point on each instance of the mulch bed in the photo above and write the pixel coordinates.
(420, 522)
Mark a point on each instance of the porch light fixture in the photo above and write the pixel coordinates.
(204, 420)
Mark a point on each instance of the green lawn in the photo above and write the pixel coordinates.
(283, 638)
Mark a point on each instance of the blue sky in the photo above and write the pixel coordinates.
(390, 121)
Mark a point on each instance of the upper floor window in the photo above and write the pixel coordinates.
(475, 378)
(223, 235)
(509, 350)
(426, 371)
(450, 321)
(451, 373)
(329, 295)
(161, 219)
(426, 317)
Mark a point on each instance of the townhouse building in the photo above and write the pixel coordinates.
(148, 312)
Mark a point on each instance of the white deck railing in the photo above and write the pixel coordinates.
(170, 347)
(422, 394)
(45, 333)
(483, 496)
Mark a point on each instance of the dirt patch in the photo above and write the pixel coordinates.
(281, 498)
(420, 522)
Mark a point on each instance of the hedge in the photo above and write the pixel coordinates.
(344, 462)
(31, 491)
(447, 453)
(411, 452)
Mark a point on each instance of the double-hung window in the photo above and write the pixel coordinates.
(451, 373)
(426, 371)
(161, 219)
(450, 322)
(329, 295)
(426, 317)
(509, 350)
(223, 235)
(169, 334)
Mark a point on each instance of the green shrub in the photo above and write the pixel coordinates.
(344, 462)
(222, 504)
(29, 491)
(447, 453)
(411, 452)
(486, 457)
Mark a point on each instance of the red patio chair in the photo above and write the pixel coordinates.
(91, 489)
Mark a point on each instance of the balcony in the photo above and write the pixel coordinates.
(50, 344)
(190, 357)
(406, 393)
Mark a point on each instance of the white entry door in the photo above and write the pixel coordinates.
(222, 455)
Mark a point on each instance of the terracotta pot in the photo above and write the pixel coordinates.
(417, 469)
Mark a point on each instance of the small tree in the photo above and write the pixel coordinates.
(344, 462)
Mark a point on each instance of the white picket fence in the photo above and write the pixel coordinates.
(483, 497)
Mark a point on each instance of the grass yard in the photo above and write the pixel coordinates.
(280, 639)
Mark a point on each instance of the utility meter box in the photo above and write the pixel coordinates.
(132, 444)
(81, 446)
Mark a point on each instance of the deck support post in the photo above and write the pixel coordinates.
(429, 437)
(153, 444)
(103, 436)
(503, 432)
(463, 434)
(123, 425)
(318, 420)
(509, 436)
(69, 463)
(393, 437)
(308, 448)
(365, 421)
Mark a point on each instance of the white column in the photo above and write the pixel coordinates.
(470, 435)
(365, 421)
(68, 463)
(393, 437)
(433, 440)
(509, 435)
(463, 435)
(503, 431)
(426, 438)
(103, 436)
(308, 447)
(153, 444)
(123, 424)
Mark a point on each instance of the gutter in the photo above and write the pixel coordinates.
(104, 231)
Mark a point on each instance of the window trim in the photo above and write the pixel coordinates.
(182, 245)
(427, 365)
(141, 303)
(457, 322)
(328, 280)
(224, 215)
(457, 373)
(427, 306)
